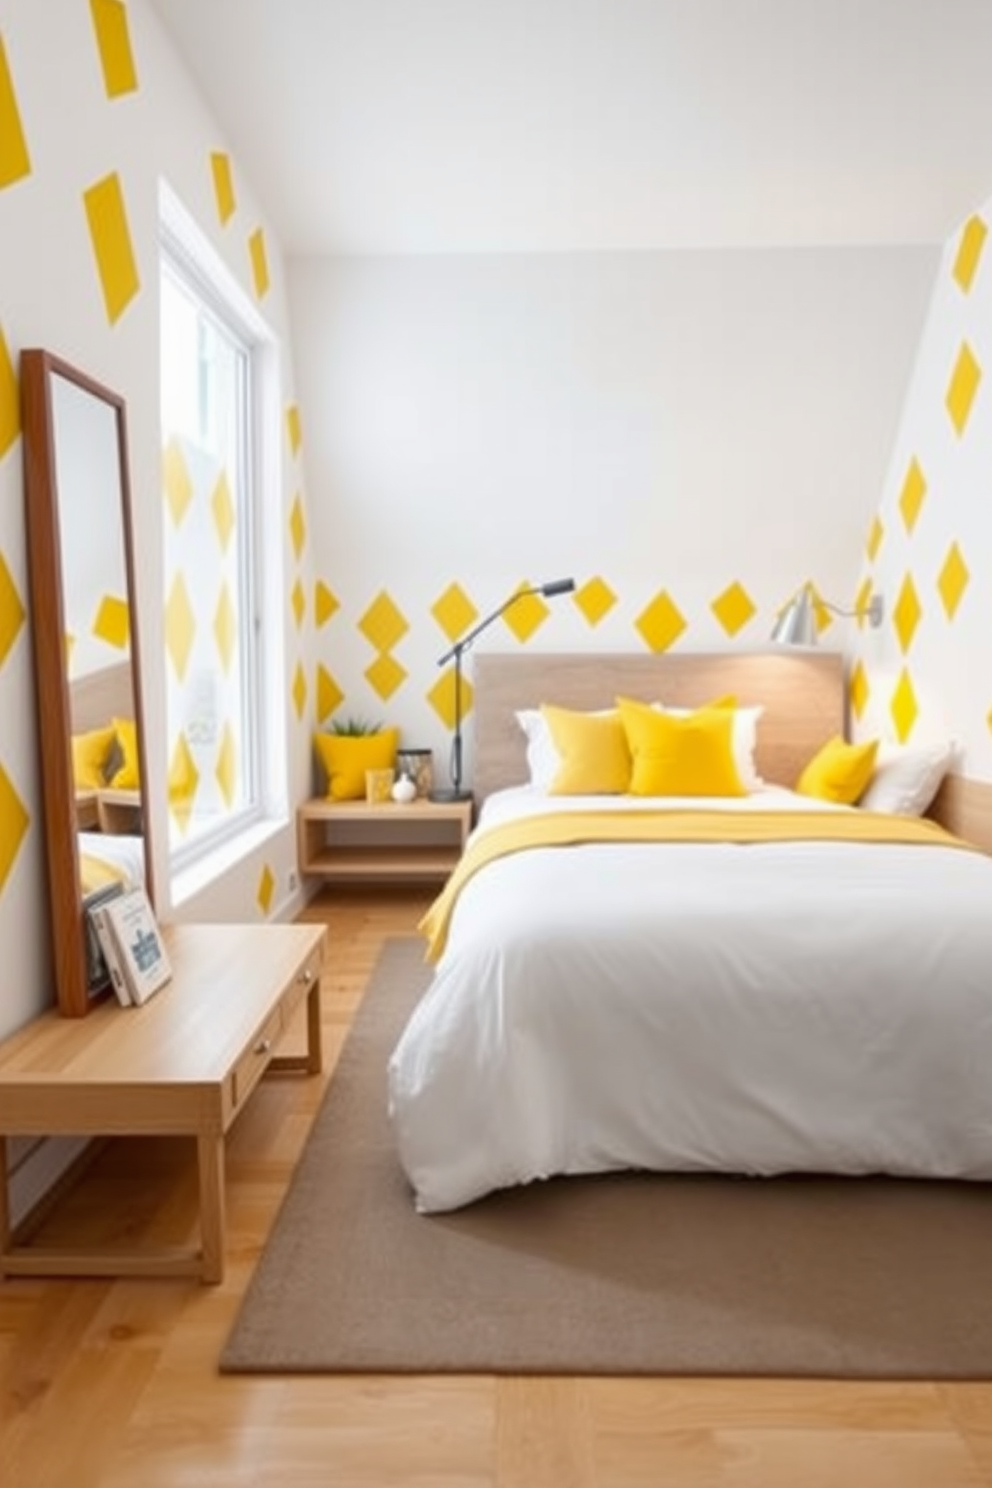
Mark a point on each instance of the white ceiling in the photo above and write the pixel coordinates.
(396, 126)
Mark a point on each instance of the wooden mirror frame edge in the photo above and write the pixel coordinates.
(54, 713)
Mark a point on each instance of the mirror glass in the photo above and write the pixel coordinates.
(86, 656)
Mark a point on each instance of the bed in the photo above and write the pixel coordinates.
(109, 839)
(758, 984)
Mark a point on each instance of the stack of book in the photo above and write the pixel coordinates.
(130, 944)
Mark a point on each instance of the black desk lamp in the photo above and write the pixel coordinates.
(548, 591)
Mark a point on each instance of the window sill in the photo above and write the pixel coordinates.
(204, 873)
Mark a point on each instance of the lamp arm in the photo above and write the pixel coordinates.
(466, 640)
(872, 611)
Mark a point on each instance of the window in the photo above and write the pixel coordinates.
(211, 356)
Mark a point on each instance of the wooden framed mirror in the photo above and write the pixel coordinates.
(81, 571)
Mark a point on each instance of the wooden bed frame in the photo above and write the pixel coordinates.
(804, 695)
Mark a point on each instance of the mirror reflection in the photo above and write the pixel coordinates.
(96, 610)
(81, 570)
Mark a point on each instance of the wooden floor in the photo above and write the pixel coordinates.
(115, 1383)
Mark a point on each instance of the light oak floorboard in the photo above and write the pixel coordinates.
(107, 1384)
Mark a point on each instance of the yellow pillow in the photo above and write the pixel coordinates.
(346, 757)
(594, 758)
(839, 771)
(127, 776)
(90, 753)
(689, 756)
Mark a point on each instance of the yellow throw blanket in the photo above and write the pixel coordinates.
(95, 872)
(563, 829)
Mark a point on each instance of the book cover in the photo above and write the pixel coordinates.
(98, 978)
(138, 939)
(97, 917)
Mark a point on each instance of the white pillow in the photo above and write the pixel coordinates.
(743, 742)
(907, 777)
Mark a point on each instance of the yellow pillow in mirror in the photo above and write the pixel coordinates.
(689, 756)
(346, 757)
(839, 772)
(127, 775)
(593, 756)
(90, 753)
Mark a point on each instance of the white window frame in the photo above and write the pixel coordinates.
(187, 253)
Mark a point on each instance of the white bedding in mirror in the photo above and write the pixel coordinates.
(104, 856)
(763, 1008)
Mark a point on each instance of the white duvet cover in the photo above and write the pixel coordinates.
(772, 1007)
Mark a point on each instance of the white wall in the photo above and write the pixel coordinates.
(927, 673)
(670, 422)
(77, 132)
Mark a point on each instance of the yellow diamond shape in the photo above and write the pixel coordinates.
(222, 511)
(226, 628)
(259, 263)
(858, 689)
(299, 690)
(385, 675)
(10, 403)
(180, 627)
(906, 615)
(329, 694)
(298, 600)
(113, 623)
(526, 614)
(176, 481)
(223, 176)
(914, 490)
(14, 159)
(875, 534)
(454, 611)
(294, 428)
(595, 599)
(969, 252)
(298, 528)
(733, 608)
(442, 697)
(114, 45)
(226, 771)
(660, 623)
(182, 784)
(111, 239)
(11, 611)
(953, 580)
(903, 708)
(822, 617)
(266, 888)
(13, 825)
(382, 625)
(963, 386)
(862, 600)
(325, 604)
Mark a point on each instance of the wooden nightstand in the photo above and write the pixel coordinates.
(355, 840)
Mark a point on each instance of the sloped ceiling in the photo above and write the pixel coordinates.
(396, 126)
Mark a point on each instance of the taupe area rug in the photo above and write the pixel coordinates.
(622, 1274)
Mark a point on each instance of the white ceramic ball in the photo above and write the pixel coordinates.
(404, 790)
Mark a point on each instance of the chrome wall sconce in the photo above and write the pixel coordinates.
(796, 625)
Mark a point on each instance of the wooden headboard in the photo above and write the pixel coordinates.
(99, 697)
(803, 695)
